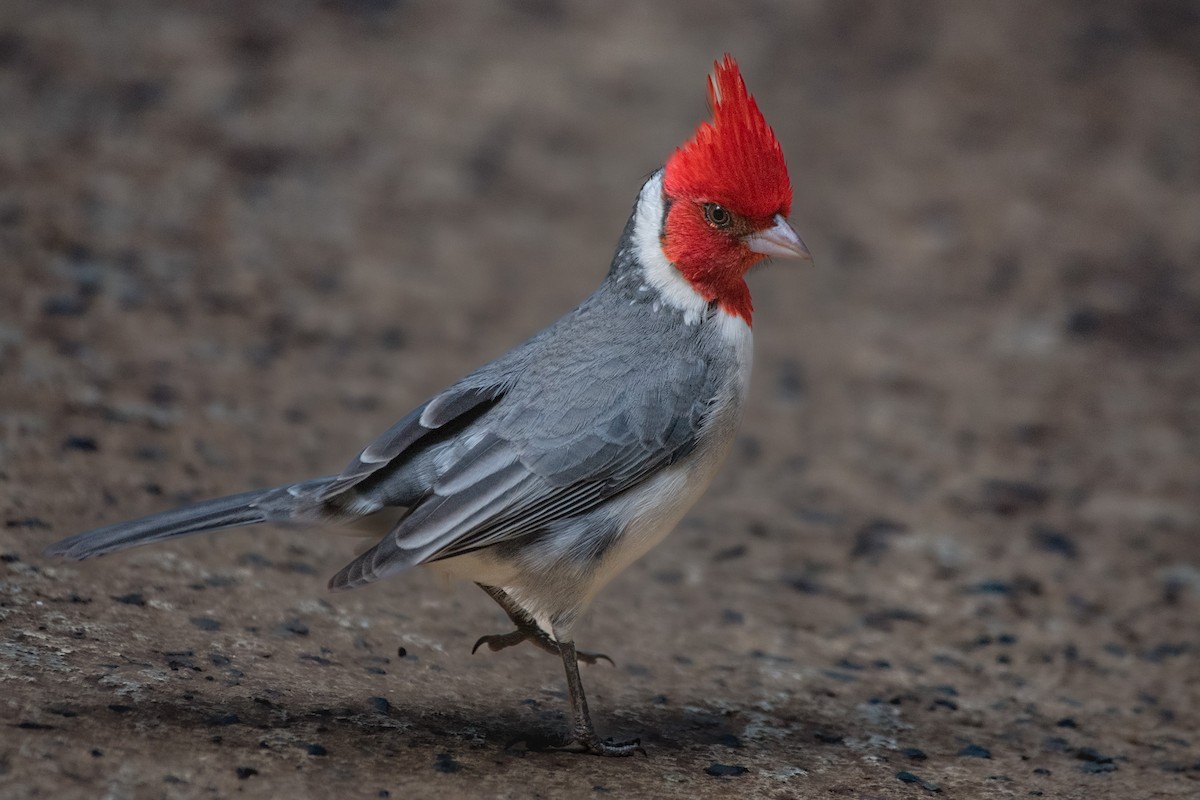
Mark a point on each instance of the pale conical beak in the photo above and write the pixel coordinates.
(780, 240)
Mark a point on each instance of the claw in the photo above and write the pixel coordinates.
(499, 641)
(592, 658)
(584, 743)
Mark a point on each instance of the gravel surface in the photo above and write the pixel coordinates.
(956, 551)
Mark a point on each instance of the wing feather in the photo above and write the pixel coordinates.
(531, 470)
(450, 405)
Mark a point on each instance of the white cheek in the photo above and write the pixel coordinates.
(673, 289)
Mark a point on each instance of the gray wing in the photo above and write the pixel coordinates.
(452, 404)
(592, 432)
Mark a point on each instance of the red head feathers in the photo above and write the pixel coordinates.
(735, 161)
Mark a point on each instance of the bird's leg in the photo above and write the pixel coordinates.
(527, 630)
(583, 738)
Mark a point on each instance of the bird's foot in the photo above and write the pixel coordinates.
(592, 658)
(588, 742)
(499, 641)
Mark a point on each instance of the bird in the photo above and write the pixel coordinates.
(543, 474)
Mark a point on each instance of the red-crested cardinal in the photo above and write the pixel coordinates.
(543, 474)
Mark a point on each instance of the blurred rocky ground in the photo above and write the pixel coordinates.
(955, 552)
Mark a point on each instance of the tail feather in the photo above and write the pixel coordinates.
(234, 511)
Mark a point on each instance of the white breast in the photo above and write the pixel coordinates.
(655, 508)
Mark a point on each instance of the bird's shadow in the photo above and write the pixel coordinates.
(532, 727)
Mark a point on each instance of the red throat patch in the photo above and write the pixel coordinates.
(735, 160)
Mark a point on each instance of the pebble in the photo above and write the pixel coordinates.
(907, 777)
(1052, 540)
(444, 762)
(206, 623)
(975, 751)
(84, 444)
(720, 770)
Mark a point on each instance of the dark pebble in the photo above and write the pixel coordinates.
(729, 740)
(873, 540)
(63, 711)
(1092, 754)
(253, 560)
(245, 772)
(64, 305)
(150, 453)
(731, 616)
(9, 558)
(1067, 722)
(725, 770)
(1098, 767)
(84, 444)
(292, 627)
(829, 738)
(1084, 322)
(131, 599)
(1161, 652)
(221, 720)
(907, 777)
(1008, 497)
(883, 619)
(805, 585)
(446, 763)
(36, 523)
(994, 586)
(316, 750)
(321, 660)
(401, 652)
(915, 753)
(730, 553)
(392, 338)
(27, 725)
(206, 623)
(117, 708)
(791, 383)
(975, 751)
(183, 659)
(380, 704)
(1051, 540)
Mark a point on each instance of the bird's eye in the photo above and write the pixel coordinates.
(717, 216)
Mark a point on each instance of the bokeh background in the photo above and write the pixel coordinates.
(955, 551)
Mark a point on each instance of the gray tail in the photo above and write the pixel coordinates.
(234, 511)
